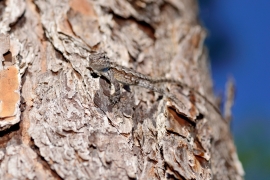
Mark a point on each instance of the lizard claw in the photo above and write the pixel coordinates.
(115, 99)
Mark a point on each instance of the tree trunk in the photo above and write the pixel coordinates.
(64, 125)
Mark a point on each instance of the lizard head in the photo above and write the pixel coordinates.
(99, 61)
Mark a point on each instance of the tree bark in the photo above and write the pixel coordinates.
(64, 125)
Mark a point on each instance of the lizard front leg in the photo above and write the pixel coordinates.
(115, 95)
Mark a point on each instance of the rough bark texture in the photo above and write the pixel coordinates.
(69, 128)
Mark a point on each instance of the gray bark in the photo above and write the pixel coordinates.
(64, 126)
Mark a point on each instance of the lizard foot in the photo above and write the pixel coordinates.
(114, 99)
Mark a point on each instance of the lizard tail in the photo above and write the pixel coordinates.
(183, 85)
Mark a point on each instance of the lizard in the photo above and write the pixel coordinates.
(101, 65)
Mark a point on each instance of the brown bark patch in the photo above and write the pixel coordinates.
(9, 87)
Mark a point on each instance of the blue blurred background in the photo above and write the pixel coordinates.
(239, 46)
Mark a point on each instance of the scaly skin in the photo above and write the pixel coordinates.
(116, 74)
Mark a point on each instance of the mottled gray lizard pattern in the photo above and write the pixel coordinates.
(101, 65)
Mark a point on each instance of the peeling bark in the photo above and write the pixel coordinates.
(69, 129)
